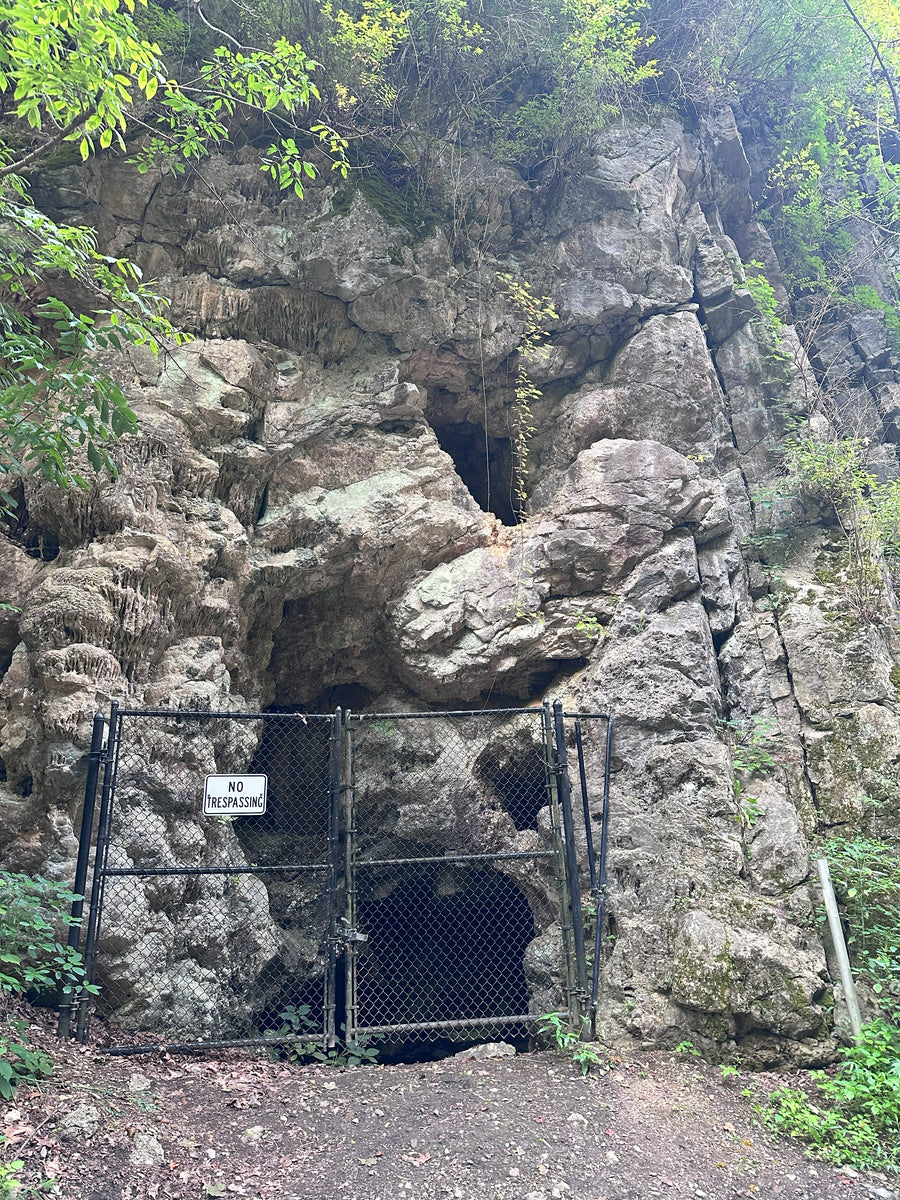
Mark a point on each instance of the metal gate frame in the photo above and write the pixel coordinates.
(108, 761)
(342, 865)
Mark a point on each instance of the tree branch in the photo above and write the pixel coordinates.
(895, 96)
(216, 29)
(35, 155)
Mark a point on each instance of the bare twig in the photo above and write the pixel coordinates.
(216, 29)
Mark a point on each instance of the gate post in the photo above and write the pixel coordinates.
(586, 806)
(565, 798)
(81, 866)
(565, 916)
(349, 921)
(601, 871)
(334, 769)
(97, 886)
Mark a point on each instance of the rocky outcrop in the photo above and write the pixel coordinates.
(322, 496)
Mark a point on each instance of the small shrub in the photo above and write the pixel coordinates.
(32, 957)
(19, 1062)
(687, 1047)
(854, 1115)
(33, 960)
(585, 1055)
(769, 325)
(297, 1020)
(752, 753)
(752, 747)
(866, 875)
(11, 1184)
(866, 512)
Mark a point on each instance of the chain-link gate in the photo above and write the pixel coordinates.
(278, 877)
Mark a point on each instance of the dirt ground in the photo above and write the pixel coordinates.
(512, 1128)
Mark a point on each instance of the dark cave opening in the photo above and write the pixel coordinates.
(38, 542)
(519, 780)
(429, 956)
(442, 946)
(486, 465)
(351, 697)
(294, 754)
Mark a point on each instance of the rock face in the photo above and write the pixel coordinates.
(322, 505)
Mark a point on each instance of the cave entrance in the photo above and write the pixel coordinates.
(267, 878)
(444, 897)
(485, 464)
(444, 956)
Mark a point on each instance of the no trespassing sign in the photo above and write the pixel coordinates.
(235, 795)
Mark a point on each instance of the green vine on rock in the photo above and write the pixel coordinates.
(754, 745)
(769, 326)
(867, 514)
(536, 314)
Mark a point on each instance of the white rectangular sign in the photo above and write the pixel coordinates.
(235, 795)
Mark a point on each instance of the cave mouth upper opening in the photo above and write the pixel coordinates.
(484, 463)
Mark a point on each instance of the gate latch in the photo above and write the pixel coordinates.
(352, 935)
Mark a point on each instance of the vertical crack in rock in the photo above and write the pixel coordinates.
(798, 710)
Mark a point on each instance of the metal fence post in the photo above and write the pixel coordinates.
(81, 866)
(90, 945)
(334, 767)
(351, 947)
(565, 907)
(565, 799)
(585, 803)
(601, 870)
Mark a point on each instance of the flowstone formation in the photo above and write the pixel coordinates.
(322, 507)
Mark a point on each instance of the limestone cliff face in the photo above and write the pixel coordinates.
(321, 499)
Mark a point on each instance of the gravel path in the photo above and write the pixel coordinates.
(510, 1128)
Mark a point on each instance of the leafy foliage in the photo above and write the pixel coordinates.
(853, 1116)
(769, 326)
(866, 873)
(585, 1055)
(536, 313)
(867, 513)
(19, 1062)
(11, 1185)
(528, 81)
(33, 959)
(821, 80)
(297, 1021)
(753, 744)
(83, 73)
(753, 747)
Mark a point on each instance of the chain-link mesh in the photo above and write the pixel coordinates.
(452, 859)
(426, 851)
(216, 926)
